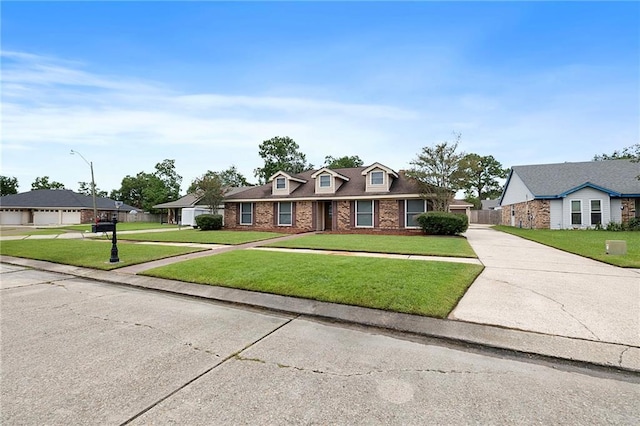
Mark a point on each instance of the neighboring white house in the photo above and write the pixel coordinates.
(185, 209)
(571, 195)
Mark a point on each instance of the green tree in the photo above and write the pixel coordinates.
(232, 178)
(343, 162)
(211, 189)
(85, 189)
(478, 176)
(8, 185)
(43, 183)
(280, 153)
(435, 170)
(628, 153)
(145, 190)
(171, 180)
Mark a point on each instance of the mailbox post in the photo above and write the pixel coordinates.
(114, 242)
(114, 237)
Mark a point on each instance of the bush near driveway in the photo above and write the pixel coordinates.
(410, 286)
(441, 223)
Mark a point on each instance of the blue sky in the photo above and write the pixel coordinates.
(128, 84)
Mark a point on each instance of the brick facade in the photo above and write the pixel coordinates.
(629, 209)
(306, 217)
(534, 214)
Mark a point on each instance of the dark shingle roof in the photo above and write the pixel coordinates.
(191, 200)
(58, 198)
(355, 187)
(553, 180)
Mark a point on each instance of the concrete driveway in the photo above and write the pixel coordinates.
(529, 286)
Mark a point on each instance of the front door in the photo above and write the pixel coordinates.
(328, 216)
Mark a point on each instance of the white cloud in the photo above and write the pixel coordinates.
(126, 126)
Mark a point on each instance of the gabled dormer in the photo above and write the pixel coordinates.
(328, 181)
(284, 184)
(378, 178)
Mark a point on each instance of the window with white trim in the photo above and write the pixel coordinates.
(414, 208)
(576, 212)
(364, 213)
(377, 178)
(596, 212)
(325, 181)
(281, 183)
(246, 213)
(285, 213)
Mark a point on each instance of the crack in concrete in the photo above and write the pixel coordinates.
(137, 324)
(622, 355)
(53, 283)
(366, 373)
(562, 307)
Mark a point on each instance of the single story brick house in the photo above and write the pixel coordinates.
(361, 199)
(571, 195)
(55, 207)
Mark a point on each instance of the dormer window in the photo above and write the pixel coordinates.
(325, 181)
(377, 178)
(328, 181)
(281, 183)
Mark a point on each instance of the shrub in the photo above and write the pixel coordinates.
(634, 224)
(615, 226)
(208, 222)
(440, 223)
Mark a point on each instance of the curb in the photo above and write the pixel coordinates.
(580, 352)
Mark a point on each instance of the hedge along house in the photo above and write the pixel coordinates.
(571, 195)
(360, 199)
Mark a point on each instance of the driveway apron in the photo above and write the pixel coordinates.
(529, 286)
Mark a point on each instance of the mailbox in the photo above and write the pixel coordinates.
(103, 227)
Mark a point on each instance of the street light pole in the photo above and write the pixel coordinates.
(93, 185)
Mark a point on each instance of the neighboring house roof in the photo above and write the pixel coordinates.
(489, 204)
(188, 200)
(616, 177)
(58, 198)
(459, 204)
(191, 200)
(354, 186)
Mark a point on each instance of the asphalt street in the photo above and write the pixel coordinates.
(77, 351)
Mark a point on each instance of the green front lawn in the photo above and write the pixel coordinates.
(124, 226)
(587, 243)
(88, 253)
(198, 236)
(410, 286)
(396, 244)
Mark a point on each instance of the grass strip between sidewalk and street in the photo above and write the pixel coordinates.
(408, 286)
(586, 243)
(124, 226)
(89, 253)
(203, 237)
(394, 244)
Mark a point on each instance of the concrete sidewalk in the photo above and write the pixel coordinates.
(530, 299)
(530, 344)
(529, 286)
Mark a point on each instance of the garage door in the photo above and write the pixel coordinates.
(10, 217)
(46, 217)
(71, 217)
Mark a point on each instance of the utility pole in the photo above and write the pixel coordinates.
(93, 185)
